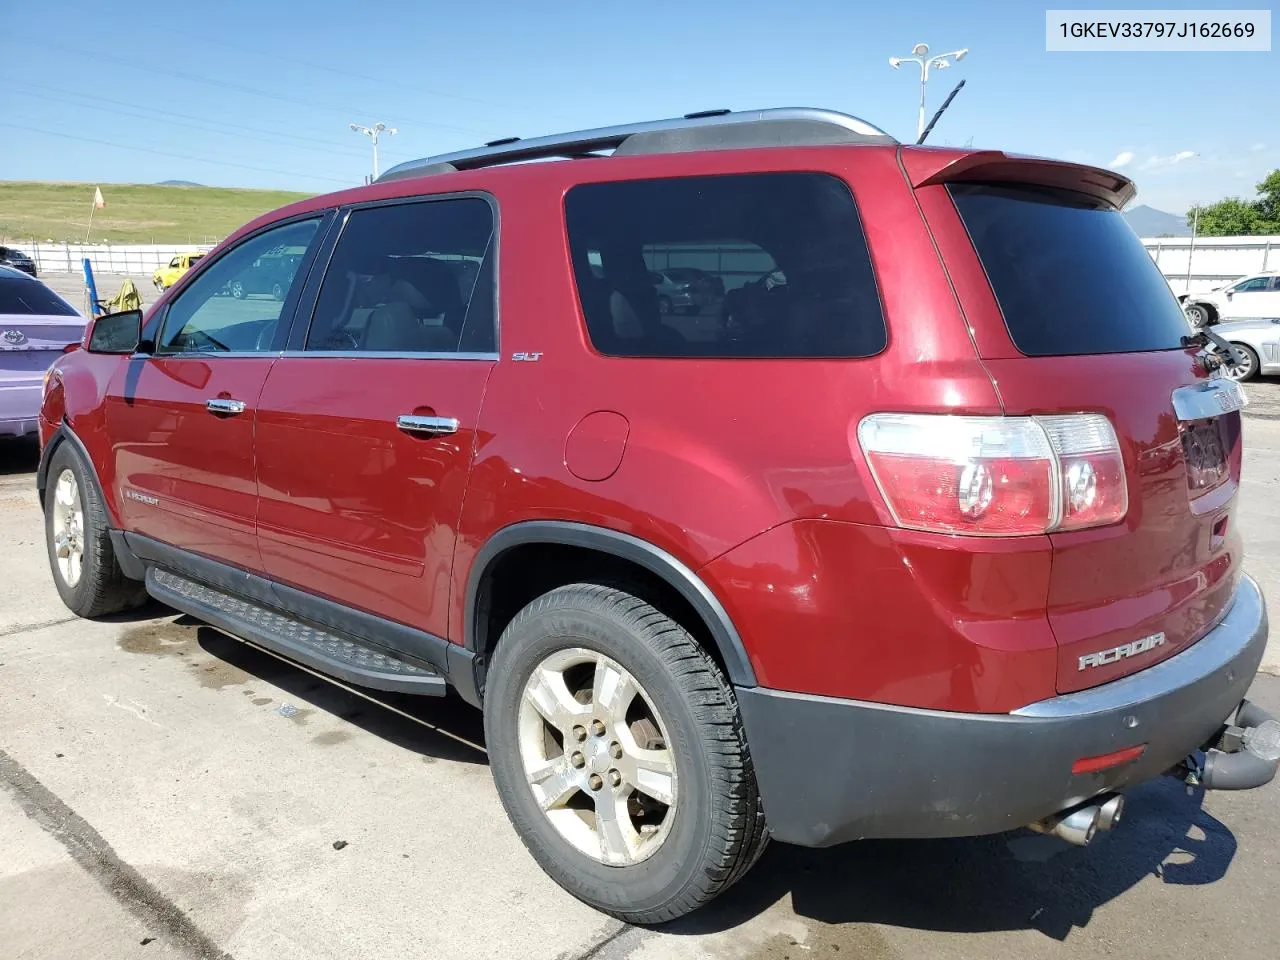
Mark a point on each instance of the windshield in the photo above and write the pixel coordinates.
(28, 297)
(1069, 275)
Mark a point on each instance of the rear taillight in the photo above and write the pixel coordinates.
(71, 347)
(996, 476)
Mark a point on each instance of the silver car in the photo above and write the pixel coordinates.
(1259, 343)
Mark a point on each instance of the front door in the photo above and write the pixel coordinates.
(181, 419)
(1252, 298)
(366, 433)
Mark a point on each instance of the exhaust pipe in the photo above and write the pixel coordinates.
(1076, 826)
(1109, 812)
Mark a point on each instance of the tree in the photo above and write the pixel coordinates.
(1234, 217)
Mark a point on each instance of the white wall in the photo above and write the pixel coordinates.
(1215, 261)
(139, 259)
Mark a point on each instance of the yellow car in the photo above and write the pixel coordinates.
(166, 277)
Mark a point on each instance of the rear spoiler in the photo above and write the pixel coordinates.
(925, 167)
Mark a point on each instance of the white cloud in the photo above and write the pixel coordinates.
(1258, 146)
(1123, 159)
(1153, 162)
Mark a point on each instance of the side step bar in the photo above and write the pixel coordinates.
(348, 658)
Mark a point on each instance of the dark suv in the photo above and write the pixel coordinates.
(930, 532)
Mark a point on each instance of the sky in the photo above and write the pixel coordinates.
(259, 93)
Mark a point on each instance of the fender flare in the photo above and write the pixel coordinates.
(624, 546)
(64, 433)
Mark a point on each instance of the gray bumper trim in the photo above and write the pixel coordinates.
(834, 770)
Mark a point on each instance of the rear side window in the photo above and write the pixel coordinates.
(1070, 276)
(410, 278)
(745, 265)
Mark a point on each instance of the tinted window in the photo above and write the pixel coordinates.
(1251, 286)
(410, 278)
(1069, 274)
(235, 304)
(749, 265)
(27, 296)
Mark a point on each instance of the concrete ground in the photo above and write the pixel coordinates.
(166, 791)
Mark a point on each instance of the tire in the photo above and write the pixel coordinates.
(1198, 315)
(277, 292)
(1244, 371)
(714, 828)
(237, 289)
(664, 306)
(99, 587)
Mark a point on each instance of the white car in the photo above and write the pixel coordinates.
(1258, 343)
(1257, 295)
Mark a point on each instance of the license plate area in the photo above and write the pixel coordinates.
(1205, 451)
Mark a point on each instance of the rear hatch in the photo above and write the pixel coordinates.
(1071, 315)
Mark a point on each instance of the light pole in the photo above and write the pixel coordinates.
(924, 61)
(372, 133)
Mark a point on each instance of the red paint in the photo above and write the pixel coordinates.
(351, 506)
(195, 468)
(595, 446)
(741, 469)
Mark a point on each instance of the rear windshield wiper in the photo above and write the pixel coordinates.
(1205, 337)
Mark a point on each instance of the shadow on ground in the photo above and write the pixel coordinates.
(446, 728)
(1014, 881)
(20, 455)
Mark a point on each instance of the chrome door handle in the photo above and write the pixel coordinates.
(228, 408)
(427, 426)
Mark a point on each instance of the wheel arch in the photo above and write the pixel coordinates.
(64, 434)
(621, 547)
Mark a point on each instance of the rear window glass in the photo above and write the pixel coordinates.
(1069, 275)
(746, 265)
(30, 297)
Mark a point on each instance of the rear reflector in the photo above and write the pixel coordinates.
(1108, 760)
(996, 476)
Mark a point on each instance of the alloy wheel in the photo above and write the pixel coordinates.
(596, 756)
(68, 528)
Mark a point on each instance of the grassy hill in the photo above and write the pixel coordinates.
(135, 213)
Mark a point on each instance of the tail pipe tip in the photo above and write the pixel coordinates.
(1079, 825)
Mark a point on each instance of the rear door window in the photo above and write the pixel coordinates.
(744, 265)
(410, 278)
(1069, 274)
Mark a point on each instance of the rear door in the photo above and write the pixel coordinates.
(367, 427)
(1071, 315)
(181, 419)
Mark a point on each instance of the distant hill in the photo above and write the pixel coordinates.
(134, 213)
(178, 183)
(1150, 222)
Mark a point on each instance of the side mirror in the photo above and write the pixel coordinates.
(116, 332)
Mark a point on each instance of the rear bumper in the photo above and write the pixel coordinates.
(833, 770)
(20, 406)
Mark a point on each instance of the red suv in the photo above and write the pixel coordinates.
(923, 526)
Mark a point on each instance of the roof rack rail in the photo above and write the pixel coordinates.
(706, 130)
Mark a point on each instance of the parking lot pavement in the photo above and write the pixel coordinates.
(70, 286)
(160, 780)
